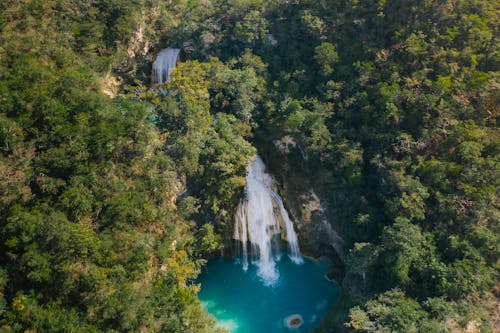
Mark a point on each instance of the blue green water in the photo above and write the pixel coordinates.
(242, 303)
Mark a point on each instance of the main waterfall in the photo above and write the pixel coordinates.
(164, 63)
(259, 218)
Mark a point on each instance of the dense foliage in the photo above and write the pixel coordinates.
(97, 232)
(111, 194)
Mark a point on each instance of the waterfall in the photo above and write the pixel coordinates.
(163, 65)
(257, 221)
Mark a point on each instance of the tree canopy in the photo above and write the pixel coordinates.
(112, 195)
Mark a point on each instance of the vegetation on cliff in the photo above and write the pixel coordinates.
(111, 195)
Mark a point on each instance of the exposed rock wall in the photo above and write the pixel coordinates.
(310, 212)
(316, 235)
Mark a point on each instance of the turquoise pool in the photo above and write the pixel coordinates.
(243, 303)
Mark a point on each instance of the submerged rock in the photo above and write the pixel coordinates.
(294, 321)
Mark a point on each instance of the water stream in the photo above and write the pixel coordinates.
(263, 290)
(163, 65)
(258, 224)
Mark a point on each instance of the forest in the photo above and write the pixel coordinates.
(113, 197)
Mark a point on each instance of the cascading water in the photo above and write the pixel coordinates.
(258, 220)
(163, 65)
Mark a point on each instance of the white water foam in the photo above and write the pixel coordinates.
(163, 65)
(257, 222)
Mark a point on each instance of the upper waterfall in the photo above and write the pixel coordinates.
(258, 220)
(163, 65)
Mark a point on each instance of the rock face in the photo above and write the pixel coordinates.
(138, 44)
(316, 235)
(310, 214)
(317, 231)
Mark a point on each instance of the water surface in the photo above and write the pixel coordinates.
(243, 303)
